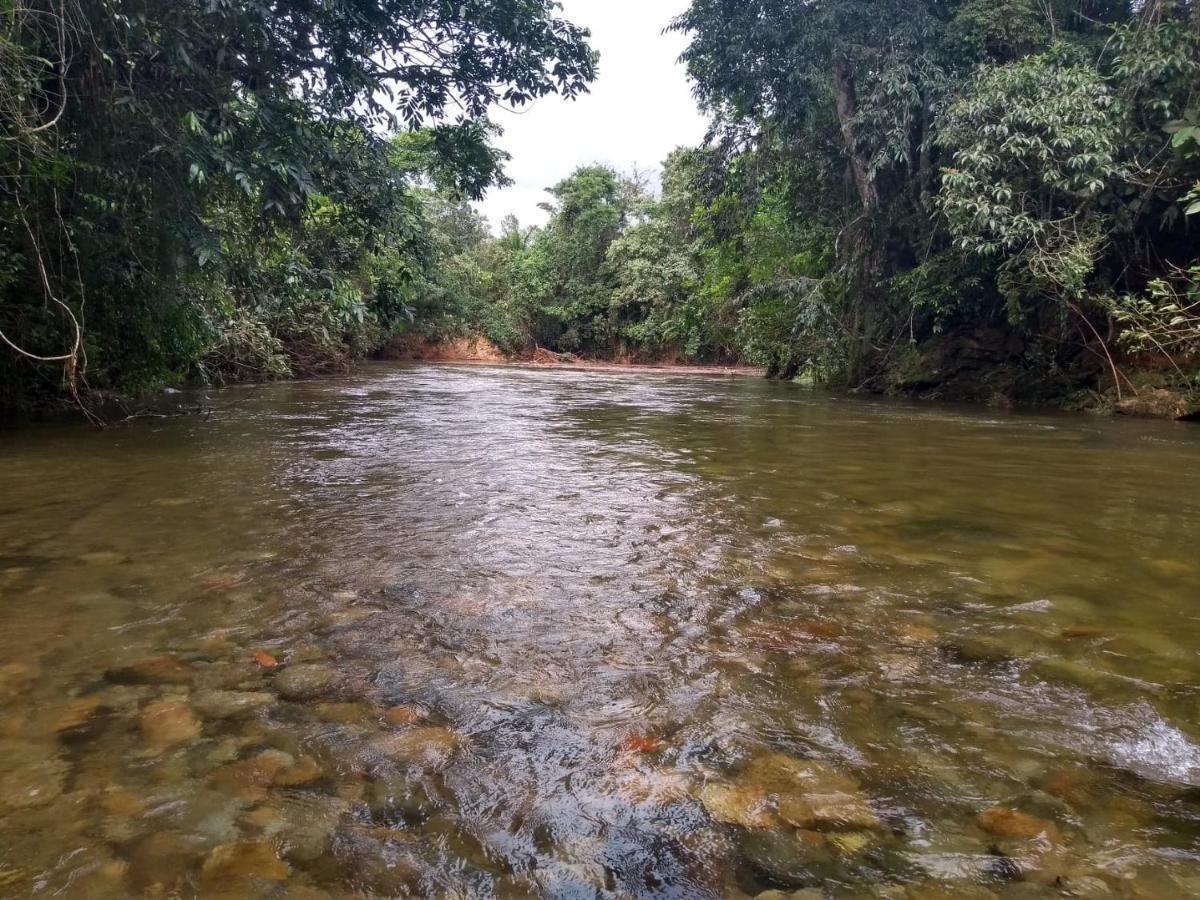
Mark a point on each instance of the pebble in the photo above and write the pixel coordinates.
(164, 669)
(248, 859)
(228, 704)
(430, 747)
(305, 681)
(405, 715)
(251, 778)
(166, 723)
(1003, 822)
(31, 775)
(158, 861)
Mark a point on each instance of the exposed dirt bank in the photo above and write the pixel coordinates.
(480, 351)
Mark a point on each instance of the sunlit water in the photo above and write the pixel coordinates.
(472, 632)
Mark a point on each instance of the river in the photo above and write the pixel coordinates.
(460, 631)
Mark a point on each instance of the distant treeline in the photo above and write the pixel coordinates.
(988, 199)
(993, 199)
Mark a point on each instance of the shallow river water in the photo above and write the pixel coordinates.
(478, 632)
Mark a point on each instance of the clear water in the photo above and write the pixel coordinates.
(565, 634)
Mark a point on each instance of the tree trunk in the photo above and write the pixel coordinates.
(847, 109)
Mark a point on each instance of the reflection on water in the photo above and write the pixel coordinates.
(470, 632)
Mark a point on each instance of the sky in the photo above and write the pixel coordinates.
(639, 109)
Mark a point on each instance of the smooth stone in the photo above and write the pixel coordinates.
(31, 775)
(166, 723)
(160, 859)
(1003, 822)
(164, 669)
(430, 747)
(309, 823)
(248, 859)
(405, 715)
(227, 704)
(122, 803)
(738, 805)
(400, 797)
(305, 681)
(250, 778)
(784, 858)
(304, 771)
(341, 713)
(77, 714)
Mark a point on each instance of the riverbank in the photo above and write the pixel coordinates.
(480, 351)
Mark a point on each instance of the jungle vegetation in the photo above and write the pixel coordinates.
(987, 199)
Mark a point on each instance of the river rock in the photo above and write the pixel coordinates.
(304, 771)
(77, 715)
(405, 715)
(165, 669)
(250, 778)
(430, 747)
(166, 723)
(743, 805)
(125, 804)
(31, 775)
(811, 794)
(1003, 822)
(305, 681)
(341, 713)
(257, 860)
(785, 858)
(158, 861)
(228, 704)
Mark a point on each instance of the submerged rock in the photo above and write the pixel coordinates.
(305, 681)
(784, 858)
(342, 713)
(249, 859)
(160, 860)
(227, 704)
(166, 723)
(77, 715)
(251, 778)
(776, 789)
(430, 747)
(405, 715)
(1003, 822)
(743, 805)
(31, 775)
(166, 669)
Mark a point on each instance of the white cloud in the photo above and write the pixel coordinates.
(639, 109)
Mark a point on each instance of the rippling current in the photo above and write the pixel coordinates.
(484, 632)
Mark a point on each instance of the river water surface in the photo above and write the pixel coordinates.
(480, 632)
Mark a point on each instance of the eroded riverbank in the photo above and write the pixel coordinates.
(458, 631)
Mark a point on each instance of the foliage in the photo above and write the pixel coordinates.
(211, 184)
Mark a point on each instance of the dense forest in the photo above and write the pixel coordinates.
(996, 201)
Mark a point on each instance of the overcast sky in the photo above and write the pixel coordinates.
(639, 109)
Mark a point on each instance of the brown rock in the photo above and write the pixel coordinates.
(430, 747)
(250, 778)
(405, 715)
(165, 723)
(122, 803)
(1003, 822)
(164, 669)
(742, 805)
(159, 859)
(342, 713)
(77, 714)
(249, 859)
(304, 771)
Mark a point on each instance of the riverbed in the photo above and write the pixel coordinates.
(463, 631)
